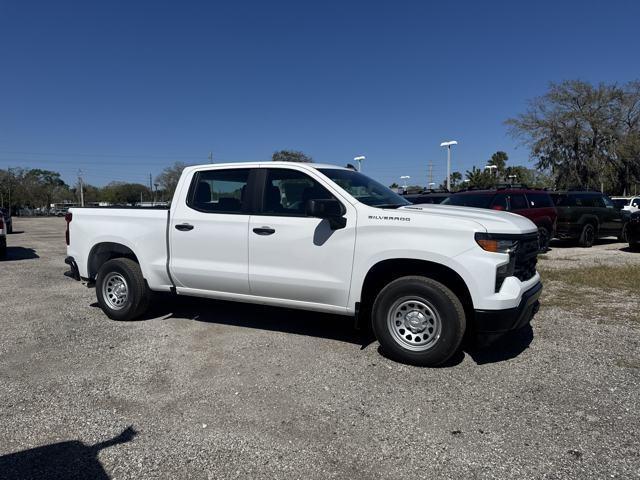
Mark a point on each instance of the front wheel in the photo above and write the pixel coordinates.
(121, 290)
(419, 321)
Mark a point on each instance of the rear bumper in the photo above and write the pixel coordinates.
(492, 324)
(73, 272)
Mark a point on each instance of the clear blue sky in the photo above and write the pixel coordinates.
(120, 89)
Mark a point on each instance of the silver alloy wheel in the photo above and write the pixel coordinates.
(115, 291)
(414, 323)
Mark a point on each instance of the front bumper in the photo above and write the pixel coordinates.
(492, 324)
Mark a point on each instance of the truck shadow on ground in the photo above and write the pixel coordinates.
(314, 324)
(72, 459)
(20, 253)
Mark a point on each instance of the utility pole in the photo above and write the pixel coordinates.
(81, 188)
(210, 157)
(430, 172)
(150, 186)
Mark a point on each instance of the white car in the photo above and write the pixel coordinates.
(629, 204)
(316, 237)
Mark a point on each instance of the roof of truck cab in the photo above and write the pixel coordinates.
(270, 163)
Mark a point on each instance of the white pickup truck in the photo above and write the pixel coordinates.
(316, 237)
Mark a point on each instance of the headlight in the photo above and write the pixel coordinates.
(496, 243)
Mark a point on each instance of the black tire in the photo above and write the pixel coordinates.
(10, 229)
(137, 292)
(624, 234)
(635, 246)
(3, 248)
(588, 236)
(443, 308)
(545, 238)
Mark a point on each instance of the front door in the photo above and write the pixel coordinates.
(208, 233)
(293, 256)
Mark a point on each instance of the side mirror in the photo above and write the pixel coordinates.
(330, 209)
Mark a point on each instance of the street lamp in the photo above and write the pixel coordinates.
(512, 177)
(448, 145)
(359, 160)
(405, 178)
(491, 168)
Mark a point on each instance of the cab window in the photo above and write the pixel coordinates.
(286, 192)
(219, 191)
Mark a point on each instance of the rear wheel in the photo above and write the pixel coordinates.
(3, 247)
(588, 236)
(121, 290)
(418, 321)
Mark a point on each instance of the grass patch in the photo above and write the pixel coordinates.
(623, 277)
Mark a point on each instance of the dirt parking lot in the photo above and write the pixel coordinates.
(204, 389)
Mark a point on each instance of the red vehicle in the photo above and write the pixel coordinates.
(534, 204)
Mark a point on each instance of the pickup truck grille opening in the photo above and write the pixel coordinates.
(526, 257)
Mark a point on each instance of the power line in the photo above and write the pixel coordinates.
(102, 155)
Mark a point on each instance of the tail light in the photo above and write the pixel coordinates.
(68, 217)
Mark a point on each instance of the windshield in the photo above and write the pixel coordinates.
(364, 189)
(469, 200)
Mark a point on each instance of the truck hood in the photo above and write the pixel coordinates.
(492, 220)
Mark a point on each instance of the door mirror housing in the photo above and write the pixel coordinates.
(329, 209)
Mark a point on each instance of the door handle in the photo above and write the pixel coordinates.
(184, 227)
(264, 230)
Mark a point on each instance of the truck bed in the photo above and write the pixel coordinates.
(142, 229)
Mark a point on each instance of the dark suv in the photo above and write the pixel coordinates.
(534, 204)
(427, 196)
(586, 216)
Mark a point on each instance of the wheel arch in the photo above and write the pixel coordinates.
(105, 251)
(388, 270)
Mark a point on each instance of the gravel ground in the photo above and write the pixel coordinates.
(205, 389)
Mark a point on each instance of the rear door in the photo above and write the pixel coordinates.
(208, 232)
(293, 256)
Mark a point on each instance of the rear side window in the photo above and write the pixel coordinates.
(518, 202)
(287, 192)
(539, 200)
(219, 191)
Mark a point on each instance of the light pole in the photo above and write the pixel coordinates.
(405, 178)
(491, 168)
(359, 160)
(448, 145)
